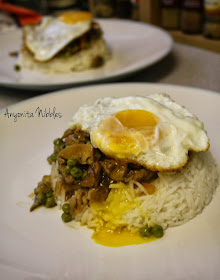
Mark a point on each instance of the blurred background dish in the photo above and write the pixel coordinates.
(133, 46)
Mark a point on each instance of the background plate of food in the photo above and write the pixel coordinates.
(60, 52)
(38, 245)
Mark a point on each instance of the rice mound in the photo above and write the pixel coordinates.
(80, 61)
(179, 197)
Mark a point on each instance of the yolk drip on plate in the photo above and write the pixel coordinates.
(121, 238)
(109, 214)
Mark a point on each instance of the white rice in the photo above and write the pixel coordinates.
(178, 198)
(78, 62)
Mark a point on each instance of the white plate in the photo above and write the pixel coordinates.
(39, 246)
(134, 46)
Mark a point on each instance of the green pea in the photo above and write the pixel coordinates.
(50, 202)
(66, 217)
(66, 208)
(76, 172)
(52, 158)
(49, 160)
(72, 162)
(41, 197)
(58, 142)
(157, 231)
(17, 67)
(49, 194)
(145, 231)
(67, 169)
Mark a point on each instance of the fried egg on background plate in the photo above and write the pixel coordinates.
(153, 131)
(46, 39)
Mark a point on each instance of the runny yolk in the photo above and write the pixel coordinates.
(125, 133)
(138, 119)
(72, 17)
(119, 238)
(109, 213)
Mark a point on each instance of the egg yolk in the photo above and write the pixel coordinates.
(73, 17)
(115, 205)
(126, 133)
(109, 214)
(138, 119)
(119, 238)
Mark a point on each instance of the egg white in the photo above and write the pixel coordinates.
(46, 39)
(177, 132)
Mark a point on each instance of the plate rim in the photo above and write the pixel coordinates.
(62, 91)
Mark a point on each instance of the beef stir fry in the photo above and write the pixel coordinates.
(85, 174)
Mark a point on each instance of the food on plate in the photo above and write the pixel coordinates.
(129, 168)
(70, 42)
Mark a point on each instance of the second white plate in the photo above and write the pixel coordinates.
(133, 45)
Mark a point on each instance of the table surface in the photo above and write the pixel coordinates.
(184, 65)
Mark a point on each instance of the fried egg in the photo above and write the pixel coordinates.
(46, 39)
(153, 131)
